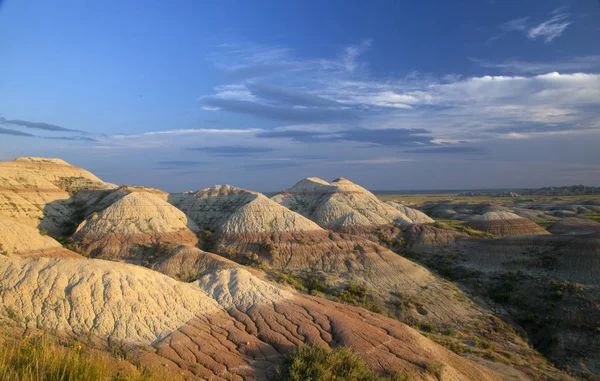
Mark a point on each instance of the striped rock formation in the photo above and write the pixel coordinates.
(134, 227)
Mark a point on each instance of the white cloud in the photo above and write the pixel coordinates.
(547, 30)
(353, 52)
(385, 160)
(551, 28)
(567, 64)
(518, 24)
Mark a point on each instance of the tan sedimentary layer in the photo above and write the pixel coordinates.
(25, 241)
(190, 263)
(416, 216)
(339, 205)
(33, 191)
(105, 298)
(229, 210)
(508, 227)
(136, 220)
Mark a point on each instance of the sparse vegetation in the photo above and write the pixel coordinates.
(188, 276)
(458, 226)
(322, 364)
(70, 244)
(436, 368)
(306, 282)
(207, 238)
(36, 358)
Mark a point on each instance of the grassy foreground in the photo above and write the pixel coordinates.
(321, 364)
(39, 359)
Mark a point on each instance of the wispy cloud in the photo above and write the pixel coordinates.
(267, 166)
(395, 137)
(280, 113)
(233, 151)
(36, 125)
(446, 150)
(551, 28)
(353, 52)
(7, 131)
(568, 64)
(518, 24)
(547, 30)
(289, 96)
(180, 163)
(381, 161)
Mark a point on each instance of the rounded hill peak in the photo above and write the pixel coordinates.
(32, 159)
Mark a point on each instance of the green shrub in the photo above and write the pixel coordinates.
(436, 368)
(321, 364)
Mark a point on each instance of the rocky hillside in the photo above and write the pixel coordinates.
(37, 191)
(230, 210)
(492, 218)
(228, 324)
(341, 205)
(134, 227)
(25, 241)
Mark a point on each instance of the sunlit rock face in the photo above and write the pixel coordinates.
(132, 225)
(340, 205)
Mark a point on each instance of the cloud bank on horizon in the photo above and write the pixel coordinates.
(517, 105)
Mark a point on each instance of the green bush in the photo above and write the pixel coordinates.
(320, 364)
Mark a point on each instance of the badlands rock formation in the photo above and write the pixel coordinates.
(25, 241)
(228, 325)
(416, 216)
(281, 241)
(488, 217)
(36, 191)
(188, 263)
(230, 210)
(548, 283)
(502, 224)
(134, 224)
(341, 205)
(574, 226)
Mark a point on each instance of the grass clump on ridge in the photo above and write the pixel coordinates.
(320, 364)
(38, 359)
(460, 227)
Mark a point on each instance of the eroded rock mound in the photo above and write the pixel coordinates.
(416, 216)
(132, 225)
(188, 263)
(106, 298)
(503, 224)
(340, 205)
(574, 226)
(229, 210)
(25, 241)
(36, 192)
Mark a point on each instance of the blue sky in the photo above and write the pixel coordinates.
(393, 95)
